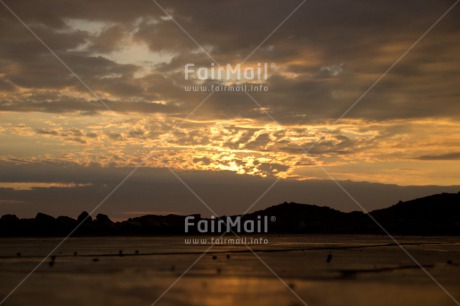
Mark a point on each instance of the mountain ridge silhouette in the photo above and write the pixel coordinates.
(437, 214)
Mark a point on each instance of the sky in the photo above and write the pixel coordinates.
(360, 105)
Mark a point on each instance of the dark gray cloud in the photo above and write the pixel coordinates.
(64, 104)
(361, 39)
(446, 156)
(158, 190)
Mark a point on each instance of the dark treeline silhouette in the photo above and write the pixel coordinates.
(433, 215)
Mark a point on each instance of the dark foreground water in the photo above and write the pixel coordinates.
(289, 270)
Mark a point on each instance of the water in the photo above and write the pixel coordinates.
(288, 270)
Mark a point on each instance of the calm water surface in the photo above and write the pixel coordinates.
(288, 270)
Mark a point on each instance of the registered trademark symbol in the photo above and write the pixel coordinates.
(273, 67)
(273, 218)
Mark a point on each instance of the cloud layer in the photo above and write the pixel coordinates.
(128, 104)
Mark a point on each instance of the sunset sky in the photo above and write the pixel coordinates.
(90, 90)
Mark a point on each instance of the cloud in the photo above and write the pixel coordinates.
(327, 53)
(152, 189)
(241, 146)
(132, 55)
(446, 156)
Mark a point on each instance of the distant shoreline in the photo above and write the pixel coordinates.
(435, 215)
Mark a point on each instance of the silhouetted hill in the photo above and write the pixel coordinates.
(303, 218)
(436, 214)
(433, 215)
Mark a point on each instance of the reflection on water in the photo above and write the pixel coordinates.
(362, 270)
